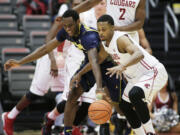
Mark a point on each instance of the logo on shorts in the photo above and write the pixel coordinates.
(147, 85)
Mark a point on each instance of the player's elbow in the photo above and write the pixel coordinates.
(140, 24)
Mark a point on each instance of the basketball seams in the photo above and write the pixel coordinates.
(104, 105)
(107, 114)
(100, 111)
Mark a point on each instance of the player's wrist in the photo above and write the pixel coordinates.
(100, 89)
(123, 66)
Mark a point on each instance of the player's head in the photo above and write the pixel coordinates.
(70, 21)
(105, 26)
(100, 9)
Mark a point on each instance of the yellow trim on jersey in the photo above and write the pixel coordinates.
(79, 46)
(88, 28)
(120, 90)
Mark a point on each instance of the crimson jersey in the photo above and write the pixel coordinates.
(159, 102)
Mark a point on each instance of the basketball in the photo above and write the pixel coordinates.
(100, 111)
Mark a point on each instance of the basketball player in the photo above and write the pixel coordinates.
(84, 38)
(144, 73)
(48, 74)
(129, 15)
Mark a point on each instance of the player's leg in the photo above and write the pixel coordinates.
(50, 117)
(143, 91)
(71, 108)
(132, 117)
(38, 88)
(137, 96)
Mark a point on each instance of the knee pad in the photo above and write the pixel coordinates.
(136, 94)
(61, 106)
(31, 97)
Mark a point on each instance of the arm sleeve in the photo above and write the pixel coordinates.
(91, 40)
(61, 35)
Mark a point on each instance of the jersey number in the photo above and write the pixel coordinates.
(122, 11)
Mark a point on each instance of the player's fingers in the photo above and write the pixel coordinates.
(112, 73)
(118, 74)
(7, 66)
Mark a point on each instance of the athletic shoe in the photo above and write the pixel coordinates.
(7, 124)
(46, 128)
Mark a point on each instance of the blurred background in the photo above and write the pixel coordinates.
(24, 25)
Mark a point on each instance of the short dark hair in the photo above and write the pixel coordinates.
(106, 18)
(71, 13)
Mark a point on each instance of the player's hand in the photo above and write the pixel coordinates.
(54, 69)
(116, 70)
(101, 95)
(11, 64)
(75, 81)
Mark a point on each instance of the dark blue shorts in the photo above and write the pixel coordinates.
(115, 86)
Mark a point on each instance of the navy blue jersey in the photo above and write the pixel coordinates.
(115, 86)
(88, 38)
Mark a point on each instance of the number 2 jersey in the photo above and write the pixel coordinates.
(123, 12)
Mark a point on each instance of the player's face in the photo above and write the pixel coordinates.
(101, 7)
(105, 30)
(70, 26)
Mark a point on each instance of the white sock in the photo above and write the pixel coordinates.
(52, 115)
(13, 113)
(139, 131)
(148, 126)
(59, 120)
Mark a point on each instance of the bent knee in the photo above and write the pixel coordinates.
(136, 94)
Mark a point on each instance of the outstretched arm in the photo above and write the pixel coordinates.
(45, 49)
(139, 19)
(93, 59)
(86, 5)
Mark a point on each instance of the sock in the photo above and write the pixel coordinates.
(13, 113)
(67, 130)
(52, 115)
(139, 131)
(148, 126)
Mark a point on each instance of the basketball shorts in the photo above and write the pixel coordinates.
(151, 83)
(115, 86)
(42, 80)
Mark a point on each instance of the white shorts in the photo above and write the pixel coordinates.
(73, 62)
(42, 80)
(150, 82)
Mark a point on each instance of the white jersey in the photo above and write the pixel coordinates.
(123, 13)
(142, 67)
(148, 74)
(88, 18)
